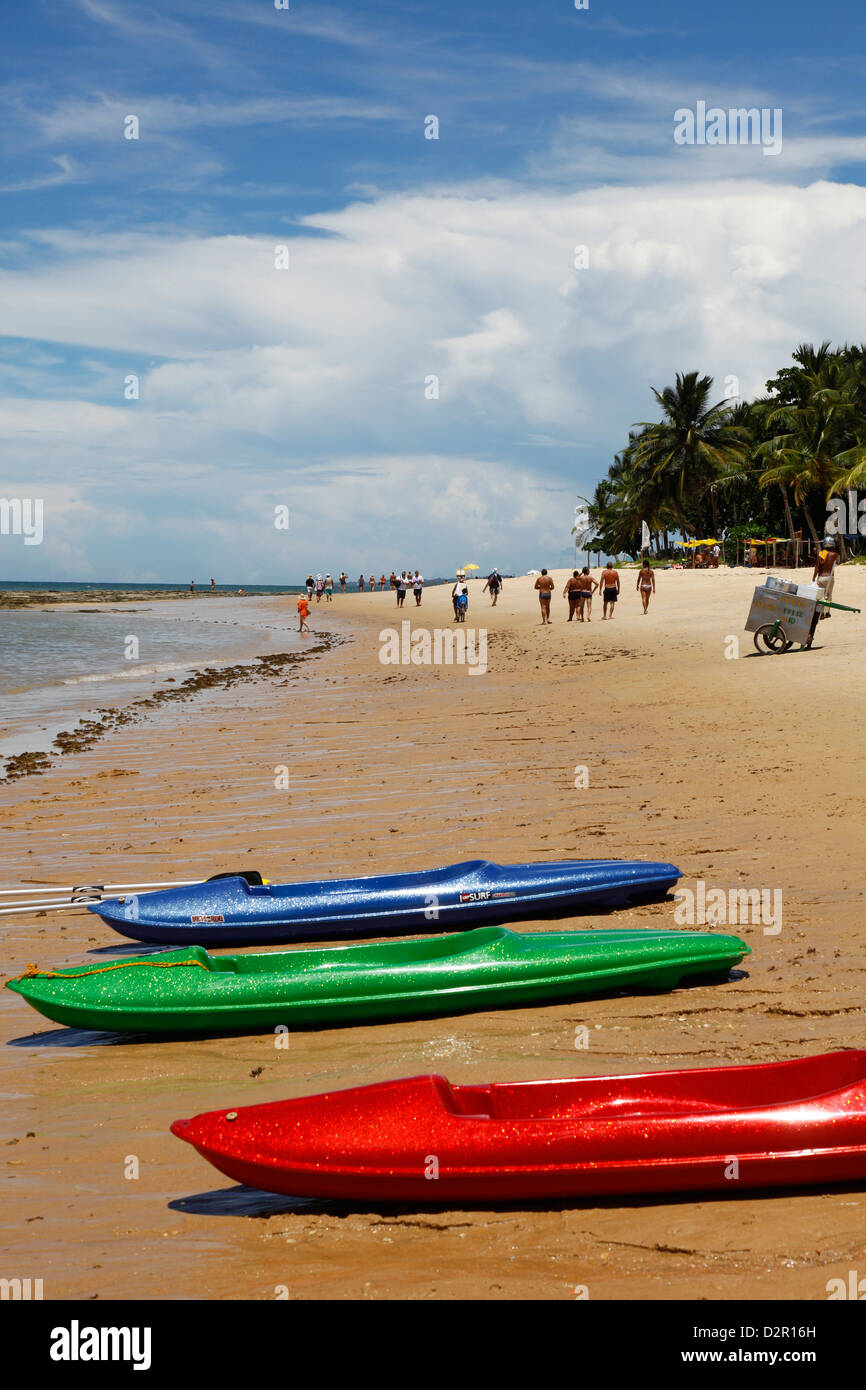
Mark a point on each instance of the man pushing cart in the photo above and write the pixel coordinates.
(783, 613)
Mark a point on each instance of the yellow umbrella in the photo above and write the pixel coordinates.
(471, 567)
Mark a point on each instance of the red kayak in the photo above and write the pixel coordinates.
(424, 1140)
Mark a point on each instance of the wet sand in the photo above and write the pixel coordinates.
(749, 772)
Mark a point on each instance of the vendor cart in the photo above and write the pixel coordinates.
(782, 614)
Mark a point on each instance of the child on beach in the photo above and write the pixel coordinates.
(646, 584)
(303, 614)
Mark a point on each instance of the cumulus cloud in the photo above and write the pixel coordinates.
(306, 385)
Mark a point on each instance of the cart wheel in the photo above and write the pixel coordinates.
(778, 642)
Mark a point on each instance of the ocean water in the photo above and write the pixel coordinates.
(59, 664)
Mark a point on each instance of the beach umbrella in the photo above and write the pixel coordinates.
(471, 567)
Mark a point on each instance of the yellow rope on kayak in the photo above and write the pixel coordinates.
(33, 971)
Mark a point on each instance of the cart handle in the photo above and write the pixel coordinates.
(825, 603)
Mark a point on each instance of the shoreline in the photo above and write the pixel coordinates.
(221, 676)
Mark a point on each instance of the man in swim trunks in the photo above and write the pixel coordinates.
(361, 585)
(588, 586)
(545, 586)
(824, 572)
(494, 584)
(418, 587)
(609, 589)
(573, 591)
(646, 583)
(402, 586)
(343, 578)
(329, 587)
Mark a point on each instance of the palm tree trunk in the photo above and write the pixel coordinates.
(811, 525)
(792, 549)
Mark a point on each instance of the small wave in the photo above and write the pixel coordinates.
(131, 671)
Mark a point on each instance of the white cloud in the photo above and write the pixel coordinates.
(307, 385)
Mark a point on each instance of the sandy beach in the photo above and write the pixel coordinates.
(744, 772)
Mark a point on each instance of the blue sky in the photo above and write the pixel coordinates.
(409, 258)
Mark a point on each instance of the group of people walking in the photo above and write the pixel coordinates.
(323, 586)
(580, 588)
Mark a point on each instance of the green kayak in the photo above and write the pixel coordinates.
(190, 991)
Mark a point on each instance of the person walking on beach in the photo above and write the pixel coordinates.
(361, 584)
(588, 586)
(192, 586)
(393, 580)
(372, 583)
(310, 586)
(825, 564)
(494, 584)
(402, 586)
(343, 579)
(303, 614)
(573, 591)
(320, 588)
(212, 586)
(329, 587)
(460, 594)
(609, 589)
(544, 585)
(417, 588)
(382, 582)
(646, 584)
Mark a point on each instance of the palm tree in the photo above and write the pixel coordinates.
(685, 452)
(819, 448)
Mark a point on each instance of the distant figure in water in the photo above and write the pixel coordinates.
(646, 584)
(192, 586)
(212, 585)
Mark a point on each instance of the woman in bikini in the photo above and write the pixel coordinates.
(646, 584)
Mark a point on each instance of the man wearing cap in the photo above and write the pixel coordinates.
(824, 572)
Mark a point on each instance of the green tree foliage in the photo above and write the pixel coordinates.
(767, 465)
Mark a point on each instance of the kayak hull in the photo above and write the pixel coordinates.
(423, 1140)
(232, 911)
(189, 991)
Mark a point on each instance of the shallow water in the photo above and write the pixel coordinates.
(59, 664)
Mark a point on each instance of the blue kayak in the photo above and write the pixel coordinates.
(244, 910)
